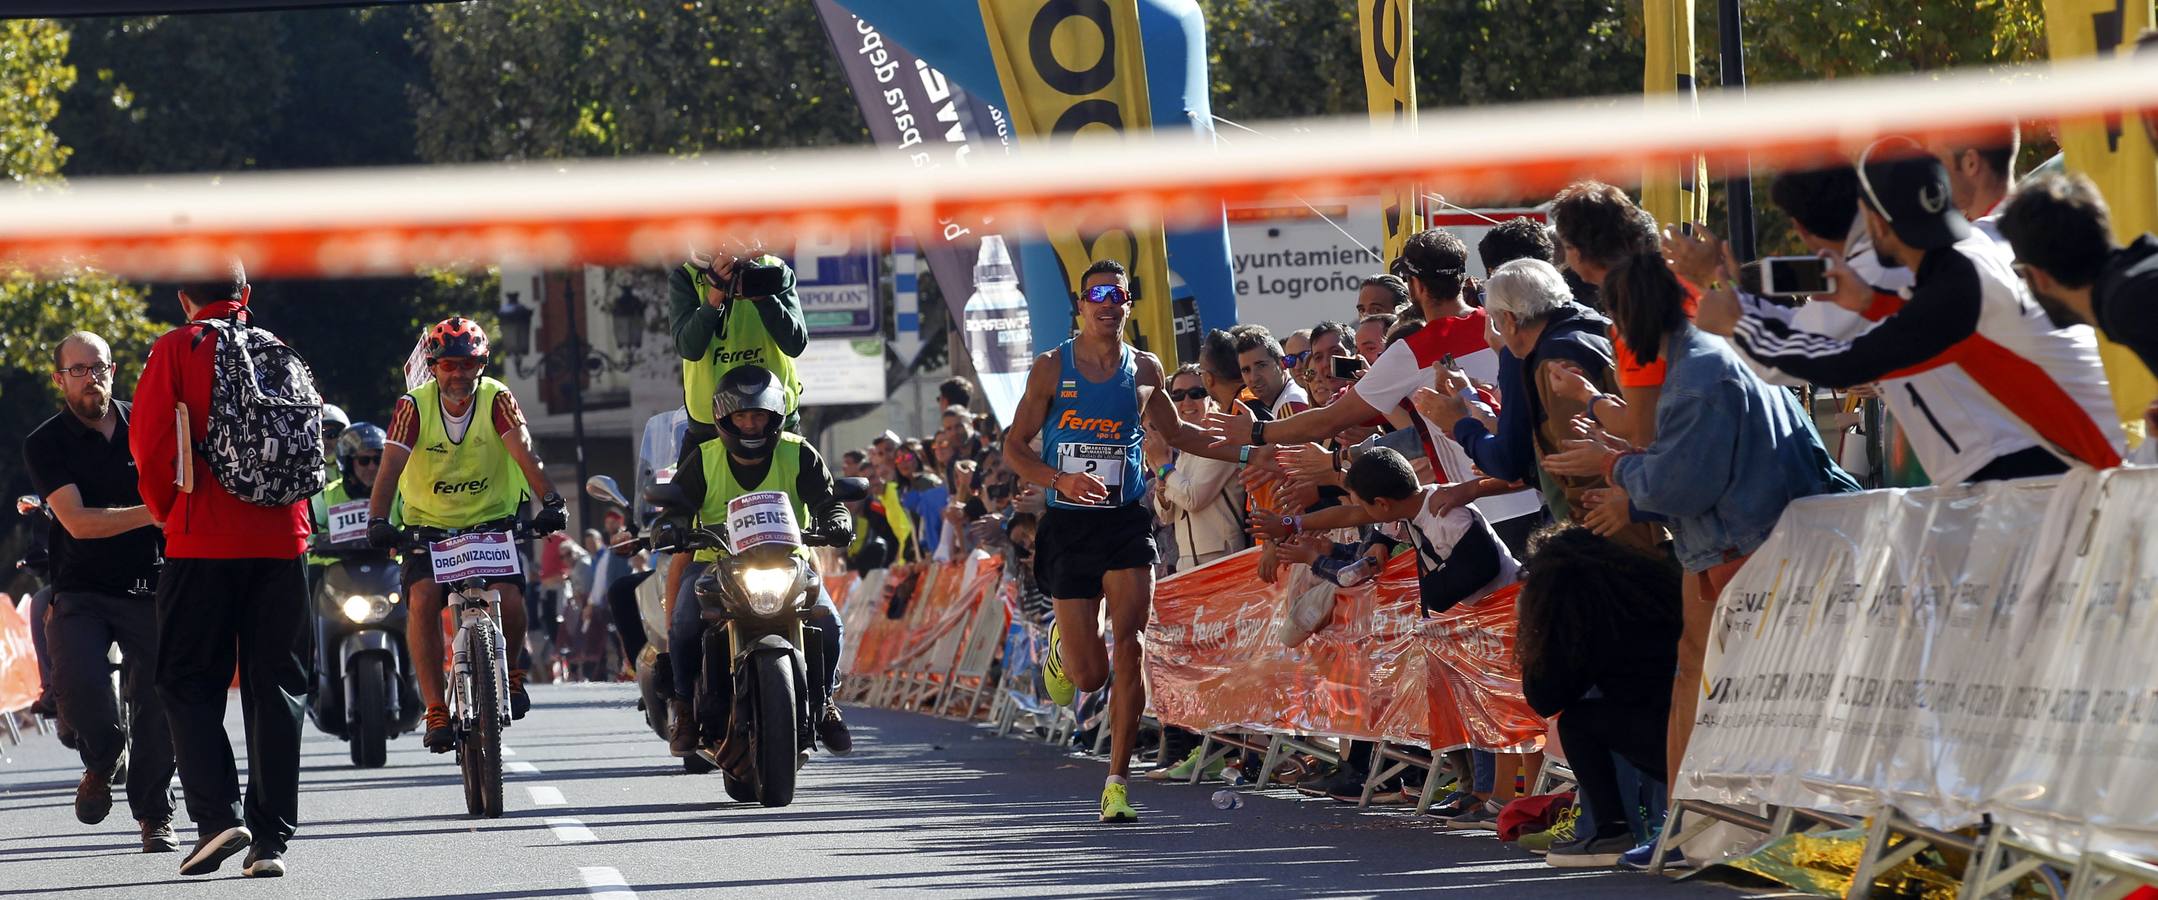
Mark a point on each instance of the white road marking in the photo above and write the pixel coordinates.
(508, 750)
(521, 768)
(605, 883)
(570, 831)
(543, 795)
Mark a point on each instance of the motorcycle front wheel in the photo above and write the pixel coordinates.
(369, 731)
(775, 736)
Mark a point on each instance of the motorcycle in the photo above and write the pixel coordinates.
(761, 598)
(365, 690)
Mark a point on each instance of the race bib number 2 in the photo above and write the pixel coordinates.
(1103, 461)
(759, 518)
(485, 555)
(348, 522)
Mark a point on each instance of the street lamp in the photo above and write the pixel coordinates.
(573, 358)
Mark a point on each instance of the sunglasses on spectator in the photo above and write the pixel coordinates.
(1289, 360)
(1107, 293)
(375, 460)
(1197, 393)
(97, 371)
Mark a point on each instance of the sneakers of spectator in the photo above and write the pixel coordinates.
(1457, 803)
(1402, 796)
(1560, 832)
(1589, 852)
(1482, 817)
(1340, 781)
(1182, 771)
(1641, 856)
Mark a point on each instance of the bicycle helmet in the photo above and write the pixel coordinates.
(361, 436)
(747, 388)
(456, 337)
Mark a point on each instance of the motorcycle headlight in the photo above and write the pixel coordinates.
(766, 589)
(365, 610)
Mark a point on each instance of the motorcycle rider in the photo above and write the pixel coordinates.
(730, 307)
(357, 457)
(456, 456)
(334, 423)
(753, 453)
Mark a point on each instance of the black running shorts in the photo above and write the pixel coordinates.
(1074, 547)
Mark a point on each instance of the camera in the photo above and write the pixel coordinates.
(1346, 367)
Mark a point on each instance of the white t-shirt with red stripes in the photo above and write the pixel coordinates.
(1411, 363)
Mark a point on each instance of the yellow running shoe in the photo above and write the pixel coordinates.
(1061, 689)
(1116, 804)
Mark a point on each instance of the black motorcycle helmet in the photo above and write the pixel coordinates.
(747, 388)
(357, 438)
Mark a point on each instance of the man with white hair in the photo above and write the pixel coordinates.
(1544, 332)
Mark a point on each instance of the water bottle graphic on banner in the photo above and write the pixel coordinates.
(999, 331)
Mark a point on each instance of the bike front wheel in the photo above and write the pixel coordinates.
(480, 749)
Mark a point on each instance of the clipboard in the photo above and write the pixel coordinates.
(183, 465)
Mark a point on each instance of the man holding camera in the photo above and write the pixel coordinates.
(730, 307)
(1966, 309)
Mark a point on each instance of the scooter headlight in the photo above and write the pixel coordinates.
(766, 589)
(365, 610)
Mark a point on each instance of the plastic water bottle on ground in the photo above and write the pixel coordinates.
(1226, 799)
(1233, 776)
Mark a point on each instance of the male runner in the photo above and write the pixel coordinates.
(1097, 537)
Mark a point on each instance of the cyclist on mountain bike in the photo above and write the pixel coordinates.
(452, 476)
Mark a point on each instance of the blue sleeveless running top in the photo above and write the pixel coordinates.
(1094, 427)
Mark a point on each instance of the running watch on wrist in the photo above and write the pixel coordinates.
(1258, 432)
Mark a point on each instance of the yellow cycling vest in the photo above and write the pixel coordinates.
(747, 343)
(720, 486)
(448, 484)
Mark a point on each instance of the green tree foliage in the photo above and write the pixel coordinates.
(1797, 40)
(215, 93)
(35, 312)
(1468, 52)
(548, 79)
(274, 90)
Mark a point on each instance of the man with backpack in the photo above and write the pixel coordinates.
(226, 462)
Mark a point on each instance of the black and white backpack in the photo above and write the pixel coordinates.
(263, 440)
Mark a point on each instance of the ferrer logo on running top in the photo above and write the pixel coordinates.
(1102, 427)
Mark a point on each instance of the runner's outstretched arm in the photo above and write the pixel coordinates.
(1161, 416)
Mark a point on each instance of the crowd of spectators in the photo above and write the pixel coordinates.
(1615, 416)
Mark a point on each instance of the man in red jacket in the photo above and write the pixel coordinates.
(233, 581)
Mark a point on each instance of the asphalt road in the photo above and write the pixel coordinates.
(923, 806)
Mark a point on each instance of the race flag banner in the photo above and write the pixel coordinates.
(1672, 194)
(1076, 73)
(480, 555)
(1387, 46)
(2112, 151)
(914, 111)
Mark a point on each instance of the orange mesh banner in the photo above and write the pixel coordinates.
(18, 660)
(1377, 670)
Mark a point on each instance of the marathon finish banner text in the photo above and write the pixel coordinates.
(912, 109)
(1075, 69)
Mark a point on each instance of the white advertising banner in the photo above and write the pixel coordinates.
(837, 371)
(1951, 652)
